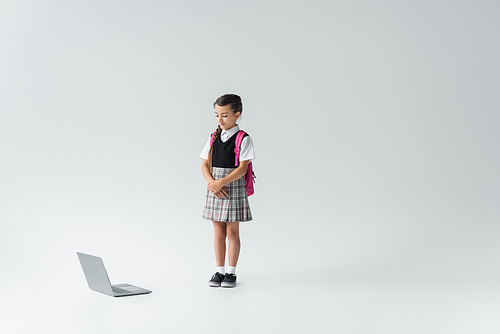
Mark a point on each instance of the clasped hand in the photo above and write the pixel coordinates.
(217, 188)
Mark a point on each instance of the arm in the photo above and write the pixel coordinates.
(236, 174)
(221, 192)
(206, 172)
(241, 170)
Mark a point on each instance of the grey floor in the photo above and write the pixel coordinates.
(257, 306)
(46, 292)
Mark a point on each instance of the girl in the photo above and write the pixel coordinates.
(227, 202)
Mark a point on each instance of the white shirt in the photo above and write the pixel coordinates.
(246, 151)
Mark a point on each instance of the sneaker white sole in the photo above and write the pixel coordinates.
(215, 285)
(228, 285)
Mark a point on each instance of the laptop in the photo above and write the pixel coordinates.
(98, 280)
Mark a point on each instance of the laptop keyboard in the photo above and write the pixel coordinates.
(120, 291)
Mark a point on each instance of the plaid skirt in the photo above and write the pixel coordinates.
(233, 208)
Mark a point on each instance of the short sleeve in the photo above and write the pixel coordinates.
(247, 150)
(204, 152)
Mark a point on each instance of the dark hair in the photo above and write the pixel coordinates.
(234, 102)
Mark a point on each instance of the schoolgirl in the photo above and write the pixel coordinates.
(226, 200)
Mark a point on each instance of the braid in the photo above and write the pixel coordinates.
(211, 151)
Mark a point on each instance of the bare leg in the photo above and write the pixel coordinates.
(220, 243)
(233, 236)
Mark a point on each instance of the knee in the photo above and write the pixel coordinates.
(220, 234)
(219, 230)
(220, 237)
(232, 235)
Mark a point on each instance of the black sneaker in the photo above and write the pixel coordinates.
(229, 281)
(216, 279)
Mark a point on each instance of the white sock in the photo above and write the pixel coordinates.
(221, 270)
(231, 270)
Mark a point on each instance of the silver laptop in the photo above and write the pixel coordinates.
(98, 280)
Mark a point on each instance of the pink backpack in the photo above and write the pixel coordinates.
(249, 176)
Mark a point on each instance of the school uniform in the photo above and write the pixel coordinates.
(235, 207)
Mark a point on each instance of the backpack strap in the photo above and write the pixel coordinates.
(212, 139)
(239, 139)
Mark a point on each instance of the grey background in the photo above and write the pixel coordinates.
(376, 133)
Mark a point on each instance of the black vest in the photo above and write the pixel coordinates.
(223, 155)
